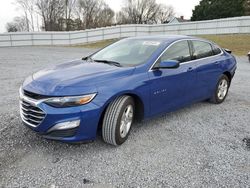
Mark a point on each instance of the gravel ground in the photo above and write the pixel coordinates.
(198, 146)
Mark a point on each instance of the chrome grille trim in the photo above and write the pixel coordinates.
(38, 112)
(30, 113)
(25, 114)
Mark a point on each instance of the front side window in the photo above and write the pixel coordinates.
(178, 51)
(201, 49)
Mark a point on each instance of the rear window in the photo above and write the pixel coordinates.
(216, 50)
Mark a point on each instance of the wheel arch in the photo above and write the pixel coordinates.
(228, 74)
(139, 106)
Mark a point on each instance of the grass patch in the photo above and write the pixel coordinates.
(238, 43)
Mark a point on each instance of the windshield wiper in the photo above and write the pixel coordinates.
(108, 62)
(87, 58)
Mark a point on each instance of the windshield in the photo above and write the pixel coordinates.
(128, 52)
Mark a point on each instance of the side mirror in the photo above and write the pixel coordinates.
(169, 64)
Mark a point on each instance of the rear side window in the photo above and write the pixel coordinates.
(178, 51)
(202, 49)
(216, 50)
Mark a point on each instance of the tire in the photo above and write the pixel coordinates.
(117, 120)
(221, 90)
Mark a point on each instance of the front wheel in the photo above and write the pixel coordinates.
(221, 90)
(117, 120)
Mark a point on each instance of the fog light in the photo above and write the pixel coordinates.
(65, 125)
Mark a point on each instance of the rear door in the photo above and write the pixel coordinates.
(172, 88)
(208, 68)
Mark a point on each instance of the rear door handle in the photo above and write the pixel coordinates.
(190, 69)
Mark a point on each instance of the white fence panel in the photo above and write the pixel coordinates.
(112, 32)
(244, 29)
(21, 37)
(4, 37)
(42, 36)
(5, 40)
(142, 30)
(219, 26)
(5, 43)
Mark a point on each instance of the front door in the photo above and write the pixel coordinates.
(172, 88)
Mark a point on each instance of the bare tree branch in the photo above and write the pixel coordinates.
(51, 12)
(95, 13)
(18, 24)
(143, 12)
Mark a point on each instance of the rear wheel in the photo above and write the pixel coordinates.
(117, 120)
(221, 90)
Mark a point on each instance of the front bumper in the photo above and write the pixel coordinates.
(88, 115)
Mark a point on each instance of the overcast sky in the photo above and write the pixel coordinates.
(8, 9)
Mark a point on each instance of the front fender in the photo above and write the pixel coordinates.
(133, 85)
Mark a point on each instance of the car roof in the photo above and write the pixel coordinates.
(167, 38)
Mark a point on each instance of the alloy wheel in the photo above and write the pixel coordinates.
(126, 120)
(222, 89)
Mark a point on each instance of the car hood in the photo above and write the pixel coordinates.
(73, 78)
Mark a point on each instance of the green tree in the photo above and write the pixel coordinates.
(214, 9)
(247, 7)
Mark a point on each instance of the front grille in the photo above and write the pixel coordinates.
(34, 95)
(31, 114)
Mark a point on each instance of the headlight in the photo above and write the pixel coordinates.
(70, 101)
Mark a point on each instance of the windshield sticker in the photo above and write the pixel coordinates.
(151, 43)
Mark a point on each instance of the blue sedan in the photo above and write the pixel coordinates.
(132, 79)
